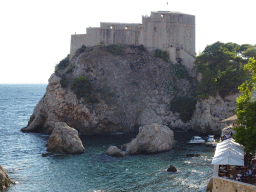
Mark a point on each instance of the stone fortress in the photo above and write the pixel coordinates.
(173, 32)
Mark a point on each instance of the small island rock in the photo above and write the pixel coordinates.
(64, 139)
(5, 181)
(151, 138)
(172, 169)
(114, 151)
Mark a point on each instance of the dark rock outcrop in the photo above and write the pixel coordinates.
(172, 169)
(64, 139)
(5, 181)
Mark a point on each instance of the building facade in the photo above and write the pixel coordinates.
(173, 32)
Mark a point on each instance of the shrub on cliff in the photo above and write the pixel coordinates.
(185, 106)
(106, 92)
(82, 49)
(62, 64)
(115, 49)
(161, 54)
(64, 81)
(180, 71)
(82, 87)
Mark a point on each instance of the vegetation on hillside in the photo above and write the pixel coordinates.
(221, 65)
(246, 111)
(185, 106)
(82, 87)
(115, 49)
(106, 92)
(161, 54)
(62, 65)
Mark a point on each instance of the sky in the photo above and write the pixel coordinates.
(35, 34)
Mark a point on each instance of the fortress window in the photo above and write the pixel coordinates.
(126, 27)
(155, 28)
(162, 16)
(112, 27)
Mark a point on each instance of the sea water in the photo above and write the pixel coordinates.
(21, 156)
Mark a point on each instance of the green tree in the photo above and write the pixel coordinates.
(246, 111)
(250, 52)
(244, 47)
(220, 66)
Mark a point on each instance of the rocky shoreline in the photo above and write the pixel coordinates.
(5, 181)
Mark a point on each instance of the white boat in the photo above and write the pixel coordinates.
(211, 141)
(210, 138)
(196, 140)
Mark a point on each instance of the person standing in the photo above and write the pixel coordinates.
(249, 175)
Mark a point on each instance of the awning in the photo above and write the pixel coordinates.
(233, 118)
(228, 161)
(229, 152)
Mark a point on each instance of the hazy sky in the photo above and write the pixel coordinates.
(35, 35)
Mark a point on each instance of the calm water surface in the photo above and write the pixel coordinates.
(21, 156)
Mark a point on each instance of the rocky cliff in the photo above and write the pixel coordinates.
(209, 113)
(129, 89)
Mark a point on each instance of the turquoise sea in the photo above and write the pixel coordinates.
(21, 156)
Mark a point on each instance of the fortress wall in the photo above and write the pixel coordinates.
(188, 62)
(93, 36)
(170, 31)
(76, 42)
(120, 26)
(113, 36)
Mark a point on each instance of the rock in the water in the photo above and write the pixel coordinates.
(192, 155)
(114, 151)
(172, 168)
(64, 139)
(151, 138)
(5, 181)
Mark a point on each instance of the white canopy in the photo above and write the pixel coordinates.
(228, 161)
(229, 152)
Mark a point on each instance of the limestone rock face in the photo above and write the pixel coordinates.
(5, 181)
(151, 138)
(114, 151)
(64, 139)
(209, 113)
(132, 90)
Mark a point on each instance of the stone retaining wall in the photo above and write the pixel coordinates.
(227, 185)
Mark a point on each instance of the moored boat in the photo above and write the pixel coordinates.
(196, 140)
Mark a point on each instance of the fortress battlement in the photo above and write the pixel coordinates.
(173, 32)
